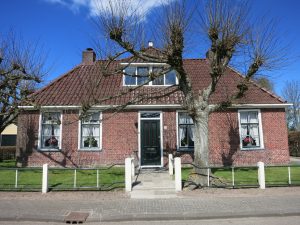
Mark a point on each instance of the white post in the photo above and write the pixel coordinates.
(261, 175)
(128, 174)
(97, 178)
(132, 168)
(75, 178)
(289, 171)
(232, 174)
(171, 166)
(208, 177)
(45, 179)
(178, 184)
(16, 180)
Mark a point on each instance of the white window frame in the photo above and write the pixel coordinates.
(181, 149)
(261, 136)
(80, 148)
(40, 148)
(150, 69)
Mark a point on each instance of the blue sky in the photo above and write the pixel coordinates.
(64, 27)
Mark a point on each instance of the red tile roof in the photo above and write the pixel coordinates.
(87, 82)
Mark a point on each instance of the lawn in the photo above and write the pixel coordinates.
(60, 179)
(275, 176)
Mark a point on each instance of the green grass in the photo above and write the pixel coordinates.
(60, 179)
(8, 163)
(275, 176)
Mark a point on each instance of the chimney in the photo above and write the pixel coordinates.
(150, 44)
(88, 56)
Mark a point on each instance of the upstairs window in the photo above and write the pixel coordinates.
(185, 131)
(51, 130)
(250, 129)
(139, 75)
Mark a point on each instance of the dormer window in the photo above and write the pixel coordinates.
(137, 75)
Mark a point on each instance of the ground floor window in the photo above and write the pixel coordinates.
(51, 130)
(185, 131)
(90, 131)
(250, 129)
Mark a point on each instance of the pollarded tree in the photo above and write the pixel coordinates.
(291, 93)
(227, 26)
(21, 69)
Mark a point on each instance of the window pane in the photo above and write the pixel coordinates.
(90, 131)
(159, 80)
(50, 133)
(129, 73)
(150, 115)
(143, 73)
(185, 130)
(250, 136)
(171, 77)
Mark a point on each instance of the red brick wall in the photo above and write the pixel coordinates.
(225, 146)
(120, 140)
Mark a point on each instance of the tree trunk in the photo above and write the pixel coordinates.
(201, 148)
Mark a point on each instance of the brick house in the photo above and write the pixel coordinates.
(152, 125)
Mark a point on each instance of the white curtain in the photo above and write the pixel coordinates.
(182, 133)
(191, 132)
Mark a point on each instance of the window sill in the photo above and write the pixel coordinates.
(185, 149)
(252, 149)
(90, 149)
(49, 150)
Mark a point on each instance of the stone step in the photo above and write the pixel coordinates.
(153, 194)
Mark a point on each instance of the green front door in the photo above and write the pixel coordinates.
(150, 143)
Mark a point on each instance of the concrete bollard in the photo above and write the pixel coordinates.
(178, 182)
(171, 166)
(128, 174)
(261, 175)
(45, 179)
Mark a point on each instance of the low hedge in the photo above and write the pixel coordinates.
(7, 152)
(294, 143)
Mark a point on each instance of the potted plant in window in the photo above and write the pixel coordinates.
(249, 141)
(90, 142)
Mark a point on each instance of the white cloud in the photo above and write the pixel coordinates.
(93, 5)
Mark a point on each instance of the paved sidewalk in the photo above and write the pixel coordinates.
(117, 206)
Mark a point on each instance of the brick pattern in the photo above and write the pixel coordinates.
(120, 140)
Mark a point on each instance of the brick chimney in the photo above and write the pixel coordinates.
(88, 56)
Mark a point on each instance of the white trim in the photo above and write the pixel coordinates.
(283, 105)
(100, 134)
(261, 136)
(144, 64)
(40, 133)
(160, 118)
(164, 106)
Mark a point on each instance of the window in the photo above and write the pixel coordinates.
(250, 129)
(51, 130)
(90, 132)
(185, 131)
(143, 75)
(139, 75)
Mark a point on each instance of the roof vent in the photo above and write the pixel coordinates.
(150, 44)
(88, 56)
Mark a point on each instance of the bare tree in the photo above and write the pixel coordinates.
(21, 69)
(291, 93)
(227, 27)
(265, 83)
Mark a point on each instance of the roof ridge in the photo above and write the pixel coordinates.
(57, 80)
(259, 86)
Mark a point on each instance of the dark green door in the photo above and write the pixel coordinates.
(150, 143)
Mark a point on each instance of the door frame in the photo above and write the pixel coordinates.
(161, 136)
